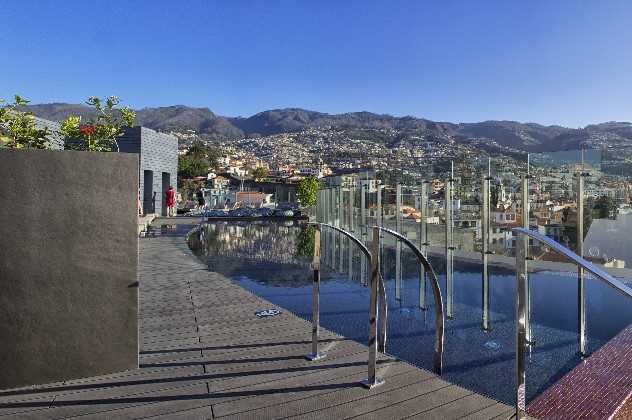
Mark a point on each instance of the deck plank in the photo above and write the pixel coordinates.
(203, 354)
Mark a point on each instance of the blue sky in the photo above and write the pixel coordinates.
(552, 62)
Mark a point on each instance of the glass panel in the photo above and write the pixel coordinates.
(553, 190)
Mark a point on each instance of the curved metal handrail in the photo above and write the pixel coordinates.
(381, 287)
(436, 291)
(357, 241)
(383, 309)
(586, 265)
(377, 341)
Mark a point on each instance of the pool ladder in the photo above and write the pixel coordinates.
(378, 310)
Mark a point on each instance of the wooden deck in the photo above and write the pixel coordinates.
(204, 354)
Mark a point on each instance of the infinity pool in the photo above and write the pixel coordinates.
(266, 259)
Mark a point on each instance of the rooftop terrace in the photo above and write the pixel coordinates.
(204, 354)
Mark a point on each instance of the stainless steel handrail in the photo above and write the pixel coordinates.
(521, 301)
(383, 308)
(436, 291)
(315, 354)
(378, 291)
(586, 265)
(357, 241)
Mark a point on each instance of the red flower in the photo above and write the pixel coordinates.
(87, 129)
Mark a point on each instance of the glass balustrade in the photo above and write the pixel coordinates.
(463, 221)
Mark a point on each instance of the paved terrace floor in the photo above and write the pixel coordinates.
(204, 355)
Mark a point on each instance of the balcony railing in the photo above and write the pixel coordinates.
(523, 337)
(428, 222)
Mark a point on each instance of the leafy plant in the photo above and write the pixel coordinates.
(100, 133)
(306, 241)
(306, 191)
(18, 129)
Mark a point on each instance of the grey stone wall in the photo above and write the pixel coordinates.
(158, 152)
(68, 265)
(56, 140)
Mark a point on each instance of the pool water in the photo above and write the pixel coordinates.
(262, 257)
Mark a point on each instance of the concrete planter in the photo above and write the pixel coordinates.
(68, 265)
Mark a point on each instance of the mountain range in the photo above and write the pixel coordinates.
(529, 137)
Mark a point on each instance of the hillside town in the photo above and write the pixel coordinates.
(339, 161)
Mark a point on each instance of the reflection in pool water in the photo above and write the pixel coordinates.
(268, 259)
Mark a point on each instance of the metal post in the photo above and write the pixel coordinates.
(363, 208)
(326, 204)
(379, 216)
(315, 355)
(378, 206)
(341, 220)
(485, 230)
(330, 200)
(372, 379)
(350, 247)
(521, 328)
(422, 272)
(331, 238)
(425, 244)
(363, 232)
(323, 211)
(382, 313)
(343, 217)
(337, 206)
(425, 213)
(525, 224)
(322, 206)
(398, 244)
(351, 203)
(366, 209)
(326, 232)
(449, 248)
(581, 297)
(332, 233)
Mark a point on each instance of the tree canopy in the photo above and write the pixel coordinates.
(98, 134)
(306, 191)
(197, 161)
(18, 129)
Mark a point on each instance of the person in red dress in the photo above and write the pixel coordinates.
(171, 202)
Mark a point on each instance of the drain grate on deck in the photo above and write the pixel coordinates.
(267, 313)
